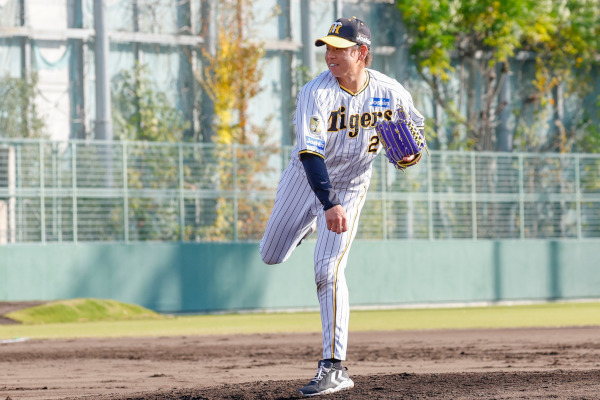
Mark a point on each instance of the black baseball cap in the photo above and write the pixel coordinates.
(347, 32)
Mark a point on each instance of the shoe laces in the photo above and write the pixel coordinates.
(321, 372)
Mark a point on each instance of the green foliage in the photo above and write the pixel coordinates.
(140, 112)
(475, 41)
(590, 141)
(572, 44)
(231, 78)
(566, 66)
(431, 33)
(438, 27)
(481, 34)
(19, 117)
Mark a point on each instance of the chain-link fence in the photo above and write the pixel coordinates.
(131, 191)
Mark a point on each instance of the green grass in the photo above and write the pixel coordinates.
(517, 316)
(82, 310)
(539, 315)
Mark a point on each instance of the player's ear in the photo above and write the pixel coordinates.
(363, 52)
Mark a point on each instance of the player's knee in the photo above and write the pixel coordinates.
(270, 259)
(322, 278)
(269, 254)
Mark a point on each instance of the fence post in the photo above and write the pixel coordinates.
(578, 195)
(42, 193)
(235, 193)
(181, 195)
(521, 199)
(74, 189)
(384, 197)
(19, 186)
(430, 197)
(473, 196)
(12, 194)
(125, 193)
(56, 201)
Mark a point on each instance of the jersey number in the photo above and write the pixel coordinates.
(374, 145)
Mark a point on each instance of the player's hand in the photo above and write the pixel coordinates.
(336, 219)
(408, 158)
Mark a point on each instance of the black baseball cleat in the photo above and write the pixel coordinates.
(329, 379)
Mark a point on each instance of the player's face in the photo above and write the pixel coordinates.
(342, 62)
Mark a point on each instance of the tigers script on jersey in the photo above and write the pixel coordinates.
(339, 125)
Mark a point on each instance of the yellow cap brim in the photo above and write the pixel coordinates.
(334, 41)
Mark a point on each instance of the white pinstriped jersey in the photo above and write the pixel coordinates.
(339, 126)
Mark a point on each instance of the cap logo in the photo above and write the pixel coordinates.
(335, 28)
(363, 39)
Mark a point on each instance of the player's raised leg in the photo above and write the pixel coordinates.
(292, 218)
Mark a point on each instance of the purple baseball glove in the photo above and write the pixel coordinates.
(401, 138)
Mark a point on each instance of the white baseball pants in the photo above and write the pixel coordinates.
(293, 218)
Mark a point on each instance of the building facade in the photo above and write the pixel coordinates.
(57, 40)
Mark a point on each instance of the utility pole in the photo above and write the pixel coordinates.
(103, 126)
(208, 11)
(339, 5)
(307, 36)
(104, 129)
(26, 41)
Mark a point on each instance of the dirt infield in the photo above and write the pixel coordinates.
(455, 364)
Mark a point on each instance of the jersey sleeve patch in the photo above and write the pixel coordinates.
(314, 141)
(316, 125)
(314, 144)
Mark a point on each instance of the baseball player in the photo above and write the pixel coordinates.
(325, 184)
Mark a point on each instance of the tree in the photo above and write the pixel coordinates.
(567, 66)
(19, 117)
(143, 114)
(231, 78)
(465, 51)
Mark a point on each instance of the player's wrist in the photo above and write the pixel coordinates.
(328, 204)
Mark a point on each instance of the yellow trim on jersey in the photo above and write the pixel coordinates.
(311, 152)
(335, 278)
(361, 89)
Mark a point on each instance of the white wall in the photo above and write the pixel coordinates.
(50, 60)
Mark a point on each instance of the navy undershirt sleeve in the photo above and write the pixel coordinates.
(318, 179)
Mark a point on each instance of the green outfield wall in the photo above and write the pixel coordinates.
(207, 277)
